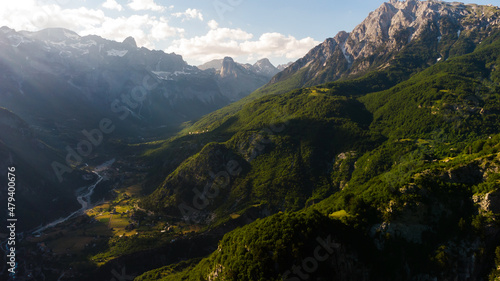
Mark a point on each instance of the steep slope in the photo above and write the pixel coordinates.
(276, 247)
(63, 89)
(398, 162)
(400, 38)
(238, 80)
(275, 146)
(412, 193)
(261, 67)
(38, 191)
(55, 74)
(447, 28)
(265, 67)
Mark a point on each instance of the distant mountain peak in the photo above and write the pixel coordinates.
(130, 41)
(264, 60)
(265, 67)
(56, 34)
(261, 67)
(282, 67)
(228, 68)
(387, 30)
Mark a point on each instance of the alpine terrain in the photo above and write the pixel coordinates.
(376, 156)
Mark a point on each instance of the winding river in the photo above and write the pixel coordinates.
(83, 199)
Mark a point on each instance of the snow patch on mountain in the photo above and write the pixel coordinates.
(117, 53)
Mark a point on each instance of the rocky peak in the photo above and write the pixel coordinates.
(489, 202)
(388, 29)
(282, 67)
(385, 26)
(262, 63)
(130, 41)
(55, 35)
(265, 67)
(228, 68)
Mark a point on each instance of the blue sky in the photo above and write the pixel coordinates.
(200, 30)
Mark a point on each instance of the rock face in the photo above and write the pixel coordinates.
(228, 68)
(130, 41)
(262, 67)
(282, 67)
(389, 29)
(238, 80)
(55, 73)
(489, 202)
(265, 67)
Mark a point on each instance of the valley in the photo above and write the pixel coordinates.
(375, 156)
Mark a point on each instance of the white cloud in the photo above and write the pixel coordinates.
(189, 14)
(220, 42)
(139, 5)
(213, 24)
(29, 15)
(147, 30)
(216, 43)
(112, 5)
(279, 45)
(152, 31)
(161, 29)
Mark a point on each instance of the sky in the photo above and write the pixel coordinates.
(200, 30)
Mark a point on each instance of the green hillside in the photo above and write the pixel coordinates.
(407, 168)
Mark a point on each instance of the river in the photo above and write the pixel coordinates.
(83, 199)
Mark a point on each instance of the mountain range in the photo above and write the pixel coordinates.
(376, 156)
(58, 84)
(239, 79)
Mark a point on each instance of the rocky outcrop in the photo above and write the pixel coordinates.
(343, 167)
(489, 202)
(389, 29)
(130, 41)
(237, 80)
(265, 67)
(262, 67)
(56, 73)
(228, 68)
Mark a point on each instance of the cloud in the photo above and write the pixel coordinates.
(112, 5)
(31, 16)
(161, 29)
(276, 44)
(220, 42)
(189, 14)
(147, 30)
(213, 24)
(152, 31)
(140, 5)
(215, 44)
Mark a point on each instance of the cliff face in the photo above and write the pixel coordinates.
(237, 80)
(228, 68)
(388, 30)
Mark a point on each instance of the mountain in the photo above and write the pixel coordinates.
(265, 67)
(38, 190)
(411, 171)
(87, 76)
(238, 79)
(261, 67)
(64, 86)
(448, 29)
(401, 151)
(282, 67)
(400, 38)
(385, 167)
